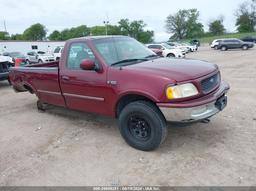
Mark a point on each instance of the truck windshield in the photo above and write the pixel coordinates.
(122, 50)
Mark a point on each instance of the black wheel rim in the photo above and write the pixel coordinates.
(139, 128)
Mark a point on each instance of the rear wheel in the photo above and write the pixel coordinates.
(171, 55)
(9, 81)
(224, 48)
(245, 47)
(41, 106)
(142, 125)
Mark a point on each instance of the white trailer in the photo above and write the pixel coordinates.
(29, 46)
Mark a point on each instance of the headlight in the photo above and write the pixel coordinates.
(181, 91)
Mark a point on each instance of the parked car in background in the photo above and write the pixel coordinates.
(176, 45)
(17, 57)
(57, 52)
(167, 50)
(215, 43)
(234, 44)
(39, 57)
(159, 52)
(123, 79)
(195, 42)
(191, 47)
(5, 63)
(249, 39)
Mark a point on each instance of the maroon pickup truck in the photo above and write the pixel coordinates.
(118, 76)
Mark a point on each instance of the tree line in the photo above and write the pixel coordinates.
(183, 24)
(35, 32)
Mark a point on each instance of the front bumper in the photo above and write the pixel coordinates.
(196, 110)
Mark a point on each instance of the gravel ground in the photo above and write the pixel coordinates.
(70, 148)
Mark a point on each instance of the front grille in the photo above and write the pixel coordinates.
(210, 83)
(4, 67)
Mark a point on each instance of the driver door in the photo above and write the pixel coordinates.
(83, 89)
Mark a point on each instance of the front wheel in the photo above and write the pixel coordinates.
(142, 125)
(245, 47)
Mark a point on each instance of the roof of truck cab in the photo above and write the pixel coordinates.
(97, 37)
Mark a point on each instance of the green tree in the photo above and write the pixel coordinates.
(146, 36)
(35, 32)
(244, 23)
(55, 35)
(79, 31)
(194, 28)
(98, 30)
(246, 16)
(74, 32)
(17, 37)
(136, 29)
(185, 24)
(216, 27)
(4, 35)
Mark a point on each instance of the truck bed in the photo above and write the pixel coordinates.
(54, 64)
(41, 79)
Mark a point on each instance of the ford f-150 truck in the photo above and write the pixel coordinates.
(118, 76)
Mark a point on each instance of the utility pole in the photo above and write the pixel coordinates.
(5, 27)
(106, 26)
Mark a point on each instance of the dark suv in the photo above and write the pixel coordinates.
(249, 39)
(234, 44)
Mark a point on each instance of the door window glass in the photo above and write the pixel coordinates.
(77, 53)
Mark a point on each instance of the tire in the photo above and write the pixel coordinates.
(224, 48)
(40, 61)
(41, 106)
(216, 47)
(171, 55)
(27, 62)
(142, 125)
(245, 47)
(57, 59)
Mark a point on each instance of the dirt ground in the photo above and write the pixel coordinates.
(70, 148)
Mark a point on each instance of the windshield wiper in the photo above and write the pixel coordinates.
(129, 60)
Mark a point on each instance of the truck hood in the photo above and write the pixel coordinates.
(178, 70)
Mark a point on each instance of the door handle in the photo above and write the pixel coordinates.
(65, 78)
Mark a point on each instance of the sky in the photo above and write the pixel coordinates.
(61, 14)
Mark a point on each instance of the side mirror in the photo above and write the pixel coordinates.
(87, 64)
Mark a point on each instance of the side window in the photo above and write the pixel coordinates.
(151, 46)
(57, 50)
(34, 47)
(77, 53)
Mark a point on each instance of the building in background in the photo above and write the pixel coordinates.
(28, 46)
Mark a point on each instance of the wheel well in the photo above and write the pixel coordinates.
(129, 99)
(170, 54)
(29, 89)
